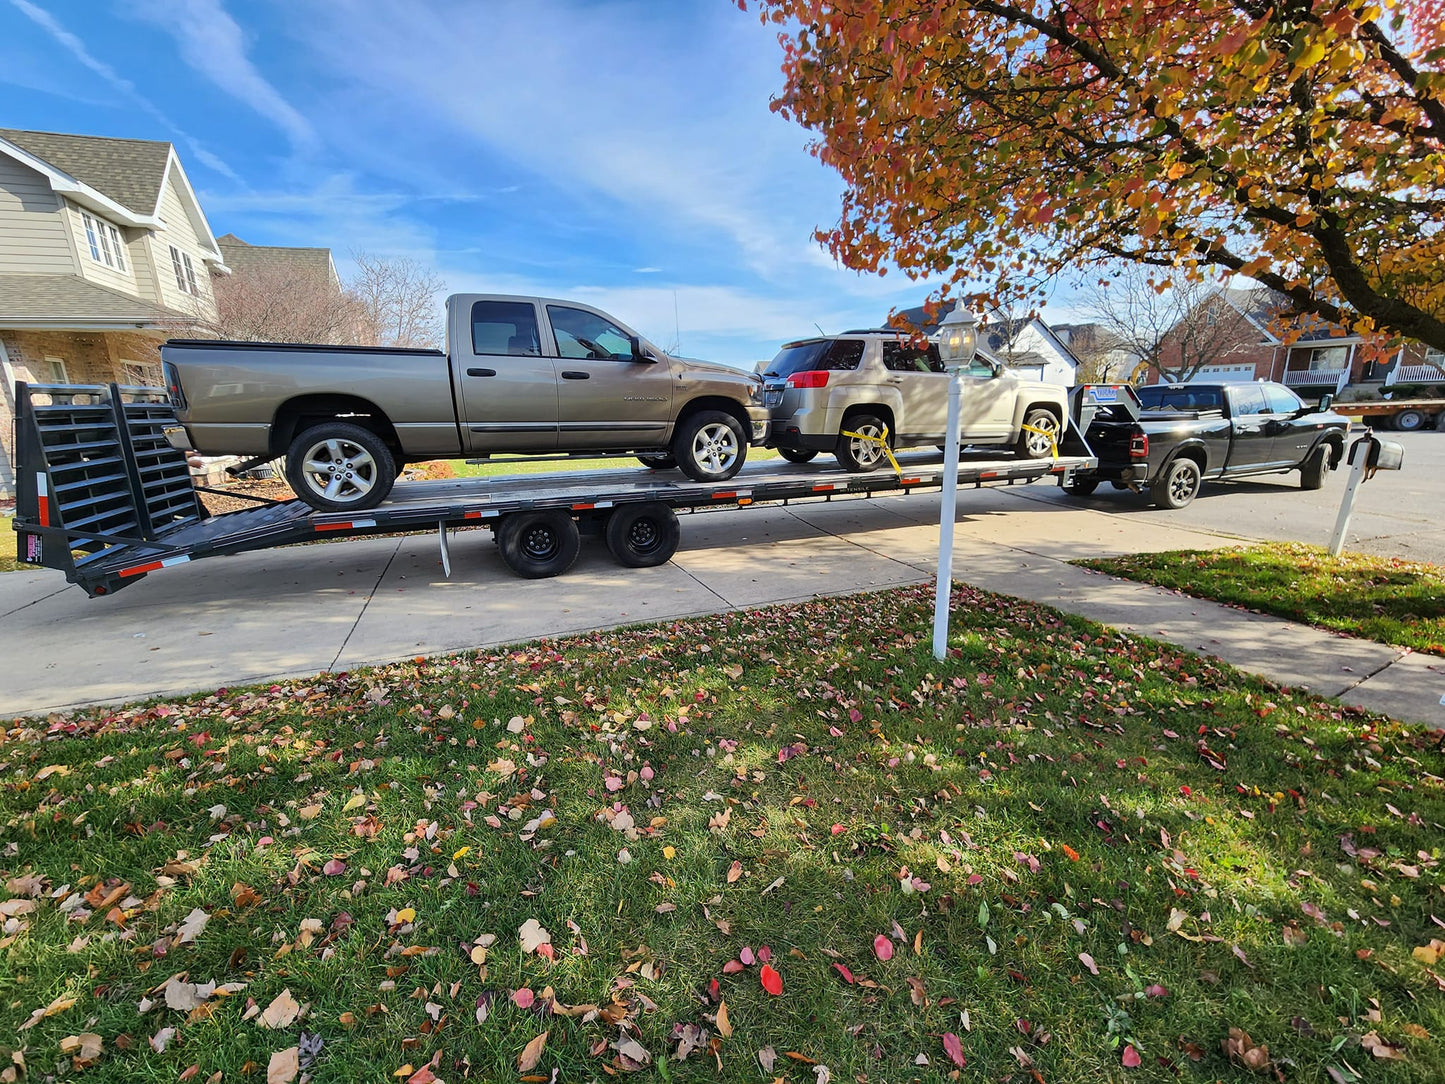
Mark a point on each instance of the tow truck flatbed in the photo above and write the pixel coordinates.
(104, 498)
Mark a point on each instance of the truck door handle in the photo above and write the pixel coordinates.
(573, 374)
(481, 372)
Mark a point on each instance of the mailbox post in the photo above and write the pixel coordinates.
(1367, 455)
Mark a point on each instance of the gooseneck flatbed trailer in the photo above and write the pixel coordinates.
(103, 497)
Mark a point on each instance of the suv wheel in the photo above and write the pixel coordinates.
(340, 467)
(710, 446)
(1040, 442)
(861, 456)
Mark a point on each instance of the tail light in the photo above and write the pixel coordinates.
(811, 378)
(1139, 446)
(173, 385)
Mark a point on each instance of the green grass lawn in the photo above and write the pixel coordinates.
(1378, 598)
(755, 842)
(7, 543)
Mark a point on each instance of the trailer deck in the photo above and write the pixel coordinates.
(105, 499)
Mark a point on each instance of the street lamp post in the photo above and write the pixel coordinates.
(957, 343)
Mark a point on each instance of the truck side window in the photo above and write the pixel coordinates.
(1248, 399)
(1281, 400)
(583, 334)
(505, 327)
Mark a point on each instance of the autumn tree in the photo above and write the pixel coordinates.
(282, 302)
(1299, 143)
(400, 301)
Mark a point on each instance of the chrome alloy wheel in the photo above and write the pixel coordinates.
(1042, 442)
(716, 447)
(339, 470)
(867, 453)
(1184, 483)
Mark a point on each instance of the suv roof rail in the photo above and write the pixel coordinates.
(872, 331)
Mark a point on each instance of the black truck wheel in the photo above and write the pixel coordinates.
(1408, 421)
(539, 544)
(1081, 487)
(710, 446)
(1316, 467)
(643, 535)
(797, 455)
(658, 461)
(340, 467)
(1179, 484)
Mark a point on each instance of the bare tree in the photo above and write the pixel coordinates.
(1178, 330)
(282, 303)
(399, 301)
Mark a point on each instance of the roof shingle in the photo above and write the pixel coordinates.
(28, 299)
(129, 171)
(241, 258)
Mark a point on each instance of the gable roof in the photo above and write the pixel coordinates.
(129, 171)
(243, 258)
(70, 302)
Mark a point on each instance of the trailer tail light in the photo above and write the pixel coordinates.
(811, 378)
(1139, 446)
(173, 385)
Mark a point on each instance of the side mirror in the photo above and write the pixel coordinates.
(639, 354)
(998, 369)
(1327, 400)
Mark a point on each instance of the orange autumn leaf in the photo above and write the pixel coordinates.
(771, 980)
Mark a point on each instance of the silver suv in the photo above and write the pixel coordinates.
(867, 382)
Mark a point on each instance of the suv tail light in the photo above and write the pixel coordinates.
(1139, 446)
(811, 378)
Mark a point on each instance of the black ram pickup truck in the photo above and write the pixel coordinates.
(1189, 433)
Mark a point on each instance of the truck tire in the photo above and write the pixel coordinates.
(658, 461)
(797, 455)
(539, 544)
(1312, 474)
(643, 535)
(340, 467)
(1178, 485)
(861, 456)
(710, 446)
(1038, 445)
(1080, 487)
(1408, 421)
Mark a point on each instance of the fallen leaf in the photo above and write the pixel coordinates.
(532, 1053)
(1377, 1046)
(1088, 961)
(953, 1047)
(724, 1025)
(767, 1056)
(284, 1066)
(191, 928)
(734, 872)
(847, 975)
(883, 947)
(1130, 1057)
(772, 981)
(533, 935)
(281, 1013)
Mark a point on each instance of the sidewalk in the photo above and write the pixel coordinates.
(293, 612)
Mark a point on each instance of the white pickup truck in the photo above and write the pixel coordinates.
(524, 375)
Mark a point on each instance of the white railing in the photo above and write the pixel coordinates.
(1415, 374)
(1316, 378)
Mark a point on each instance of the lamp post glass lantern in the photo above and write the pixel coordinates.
(957, 344)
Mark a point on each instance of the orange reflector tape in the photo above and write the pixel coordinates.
(345, 525)
(582, 507)
(825, 486)
(724, 495)
(909, 481)
(42, 497)
(151, 566)
(988, 474)
(479, 515)
(745, 500)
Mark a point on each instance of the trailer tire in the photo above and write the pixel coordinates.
(359, 468)
(710, 446)
(1409, 421)
(797, 455)
(1080, 487)
(658, 461)
(539, 544)
(1316, 467)
(1178, 485)
(643, 535)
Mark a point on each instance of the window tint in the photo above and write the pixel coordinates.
(1248, 399)
(1281, 400)
(815, 354)
(1180, 397)
(899, 357)
(980, 368)
(582, 334)
(505, 327)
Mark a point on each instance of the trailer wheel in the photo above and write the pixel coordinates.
(1080, 487)
(643, 535)
(1408, 421)
(797, 455)
(1312, 474)
(539, 544)
(340, 467)
(1179, 485)
(658, 461)
(710, 446)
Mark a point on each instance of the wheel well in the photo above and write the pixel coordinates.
(878, 409)
(1336, 451)
(718, 402)
(1052, 408)
(301, 413)
(1196, 454)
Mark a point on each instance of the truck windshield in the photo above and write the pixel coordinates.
(816, 354)
(1180, 397)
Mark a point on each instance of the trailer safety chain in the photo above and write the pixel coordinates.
(1051, 434)
(883, 441)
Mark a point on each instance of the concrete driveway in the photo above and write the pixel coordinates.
(295, 611)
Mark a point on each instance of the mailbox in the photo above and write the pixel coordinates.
(1380, 454)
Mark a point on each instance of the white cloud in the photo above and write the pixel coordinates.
(211, 42)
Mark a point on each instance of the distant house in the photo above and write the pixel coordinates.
(1103, 357)
(104, 253)
(1318, 357)
(1028, 345)
(282, 294)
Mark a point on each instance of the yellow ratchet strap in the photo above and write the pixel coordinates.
(1053, 440)
(883, 440)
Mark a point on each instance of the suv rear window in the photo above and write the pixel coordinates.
(1180, 397)
(816, 354)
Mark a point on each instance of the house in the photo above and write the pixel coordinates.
(1103, 356)
(1026, 345)
(105, 252)
(1254, 338)
(280, 294)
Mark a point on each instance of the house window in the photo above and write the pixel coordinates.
(105, 245)
(55, 371)
(190, 275)
(1330, 359)
(185, 273)
(118, 245)
(139, 375)
(1435, 356)
(90, 236)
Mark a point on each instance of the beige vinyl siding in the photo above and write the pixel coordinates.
(182, 234)
(32, 235)
(97, 271)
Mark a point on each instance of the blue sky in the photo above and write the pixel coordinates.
(621, 153)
